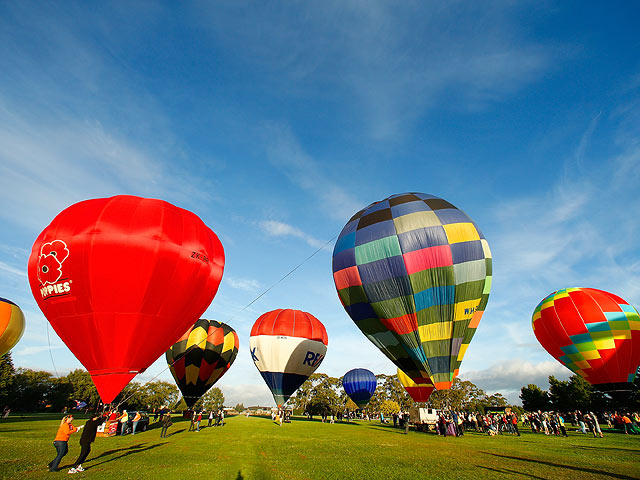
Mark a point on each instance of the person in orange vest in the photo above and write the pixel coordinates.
(136, 419)
(61, 441)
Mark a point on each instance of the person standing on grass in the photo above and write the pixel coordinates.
(86, 439)
(61, 442)
(136, 419)
(198, 420)
(166, 423)
(210, 417)
(124, 421)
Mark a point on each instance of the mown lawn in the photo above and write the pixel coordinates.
(256, 448)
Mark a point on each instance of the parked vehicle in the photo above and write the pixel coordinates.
(423, 418)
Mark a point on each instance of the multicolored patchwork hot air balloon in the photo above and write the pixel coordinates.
(593, 333)
(201, 357)
(120, 279)
(11, 325)
(414, 274)
(287, 346)
(419, 392)
(360, 384)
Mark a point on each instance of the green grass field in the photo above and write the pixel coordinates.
(256, 448)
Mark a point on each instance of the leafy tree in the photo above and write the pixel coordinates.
(239, 408)
(452, 399)
(534, 398)
(7, 372)
(560, 395)
(82, 388)
(212, 400)
(131, 397)
(32, 390)
(159, 394)
(391, 389)
(389, 407)
(318, 395)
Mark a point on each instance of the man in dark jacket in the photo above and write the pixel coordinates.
(86, 439)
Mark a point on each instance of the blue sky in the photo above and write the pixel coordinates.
(275, 123)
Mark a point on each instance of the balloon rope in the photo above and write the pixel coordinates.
(281, 279)
(235, 315)
(51, 353)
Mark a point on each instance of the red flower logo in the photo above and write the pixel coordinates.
(56, 248)
(49, 269)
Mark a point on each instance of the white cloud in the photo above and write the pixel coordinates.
(509, 376)
(246, 284)
(9, 269)
(281, 229)
(37, 349)
(285, 153)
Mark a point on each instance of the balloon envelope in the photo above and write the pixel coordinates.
(11, 325)
(594, 333)
(201, 356)
(359, 384)
(287, 346)
(120, 279)
(419, 392)
(414, 274)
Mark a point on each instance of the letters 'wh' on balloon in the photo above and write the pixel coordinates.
(287, 346)
(120, 279)
(414, 274)
(593, 333)
(201, 357)
(419, 392)
(11, 325)
(360, 384)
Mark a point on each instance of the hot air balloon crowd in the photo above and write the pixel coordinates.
(412, 271)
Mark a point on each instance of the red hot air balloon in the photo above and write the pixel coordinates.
(594, 333)
(120, 279)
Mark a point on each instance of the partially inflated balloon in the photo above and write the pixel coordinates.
(120, 279)
(414, 274)
(594, 333)
(419, 392)
(201, 357)
(360, 384)
(287, 346)
(11, 325)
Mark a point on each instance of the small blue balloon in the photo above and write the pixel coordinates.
(359, 384)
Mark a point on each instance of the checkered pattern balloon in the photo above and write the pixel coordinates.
(414, 274)
(201, 357)
(594, 333)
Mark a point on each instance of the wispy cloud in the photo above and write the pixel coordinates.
(387, 65)
(246, 284)
(33, 350)
(285, 152)
(9, 269)
(281, 229)
(509, 376)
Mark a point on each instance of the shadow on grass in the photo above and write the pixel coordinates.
(388, 429)
(175, 432)
(125, 453)
(573, 468)
(508, 472)
(588, 447)
(239, 477)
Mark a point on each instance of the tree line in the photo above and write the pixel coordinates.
(27, 390)
(324, 395)
(577, 394)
